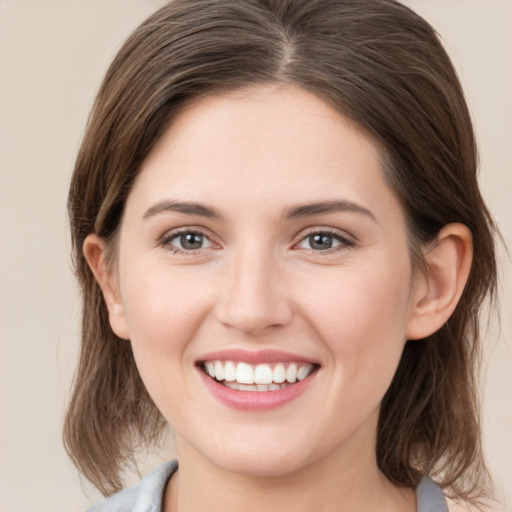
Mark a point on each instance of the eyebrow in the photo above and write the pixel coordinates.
(301, 211)
(187, 208)
(319, 208)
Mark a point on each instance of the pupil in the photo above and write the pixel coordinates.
(191, 241)
(321, 242)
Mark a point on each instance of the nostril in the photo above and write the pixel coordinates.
(254, 320)
(251, 298)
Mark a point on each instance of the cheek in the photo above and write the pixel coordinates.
(359, 301)
(164, 309)
(361, 316)
(163, 304)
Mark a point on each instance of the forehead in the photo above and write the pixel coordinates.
(268, 145)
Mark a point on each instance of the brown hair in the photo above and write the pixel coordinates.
(381, 65)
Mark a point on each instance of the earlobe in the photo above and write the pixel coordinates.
(439, 288)
(94, 251)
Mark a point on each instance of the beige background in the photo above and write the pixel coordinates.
(53, 54)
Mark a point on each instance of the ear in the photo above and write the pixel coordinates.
(438, 290)
(94, 252)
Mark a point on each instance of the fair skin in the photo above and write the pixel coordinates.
(261, 230)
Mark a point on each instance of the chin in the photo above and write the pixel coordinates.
(260, 467)
(261, 461)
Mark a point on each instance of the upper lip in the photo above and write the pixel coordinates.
(255, 357)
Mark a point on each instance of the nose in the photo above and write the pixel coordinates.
(253, 297)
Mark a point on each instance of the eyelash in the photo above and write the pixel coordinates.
(166, 240)
(344, 241)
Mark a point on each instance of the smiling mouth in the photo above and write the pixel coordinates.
(259, 377)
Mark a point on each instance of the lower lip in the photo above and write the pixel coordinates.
(255, 400)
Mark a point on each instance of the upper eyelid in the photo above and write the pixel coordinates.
(171, 233)
(303, 234)
(329, 230)
(345, 243)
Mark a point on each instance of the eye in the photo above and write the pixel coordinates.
(324, 241)
(186, 241)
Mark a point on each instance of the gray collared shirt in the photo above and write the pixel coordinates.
(147, 495)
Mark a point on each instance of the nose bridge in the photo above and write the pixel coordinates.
(254, 297)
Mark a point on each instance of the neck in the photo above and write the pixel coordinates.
(343, 482)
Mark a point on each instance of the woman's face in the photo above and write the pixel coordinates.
(261, 241)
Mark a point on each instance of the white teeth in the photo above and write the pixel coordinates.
(261, 377)
(219, 371)
(244, 374)
(254, 387)
(303, 372)
(210, 368)
(229, 372)
(291, 373)
(279, 373)
(241, 387)
(263, 374)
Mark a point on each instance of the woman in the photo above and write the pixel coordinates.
(283, 251)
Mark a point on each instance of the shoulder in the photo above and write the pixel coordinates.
(145, 496)
(430, 497)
